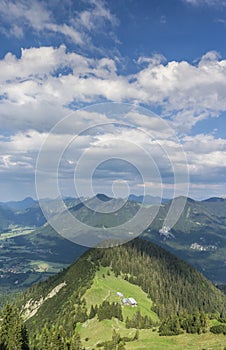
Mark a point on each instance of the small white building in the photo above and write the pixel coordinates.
(132, 301)
(126, 301)
(119, 294)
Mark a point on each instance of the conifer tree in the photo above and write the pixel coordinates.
(13, 334)
(75, 343)
(44, 340)
(93, 312)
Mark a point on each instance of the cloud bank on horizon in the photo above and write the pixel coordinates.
(58, 57)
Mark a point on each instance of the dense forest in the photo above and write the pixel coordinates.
(172, 284)
(182, 298)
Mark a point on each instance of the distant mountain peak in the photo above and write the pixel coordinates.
(28, 200)
(214, 199)
(20, 205)
(103, 197)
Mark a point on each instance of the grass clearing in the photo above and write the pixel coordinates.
(105, 288)
(93, 332)
(46, 266)
(151, 340)
(16, 232)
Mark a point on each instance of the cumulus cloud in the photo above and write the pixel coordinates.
(206, 162)
(156, 159)
(57, 78)
(45, 84)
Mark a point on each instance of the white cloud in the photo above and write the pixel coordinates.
(156, 59)
(33, 13)
(206, 157)
(206, 2)
(206, 161)
(186, 91)
(68, 31)
(204, 144)
(220, 20)
(38, 87)
(21, 15)
(40, 62)
(96, 16)
(52, 78)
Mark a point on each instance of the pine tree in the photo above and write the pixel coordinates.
(44, 340)
(115, 339)
(75, 343)
(136, 336)
(93, 312)
(13, 334)
(25, 339)
(60, 339)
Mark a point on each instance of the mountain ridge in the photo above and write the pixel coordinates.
(63, 301)
(198, 237)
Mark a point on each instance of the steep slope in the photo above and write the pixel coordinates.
(162, 283)
(31, 216)
(198, 237)
(6, 217)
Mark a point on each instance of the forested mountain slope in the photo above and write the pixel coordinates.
(173, 287)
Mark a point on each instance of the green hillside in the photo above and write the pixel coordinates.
(92, 331)
(171, 296)
(105, 287)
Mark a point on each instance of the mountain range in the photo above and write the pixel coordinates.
(198, 237)
(132, 296)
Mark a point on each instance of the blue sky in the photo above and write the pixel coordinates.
(166, 56)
